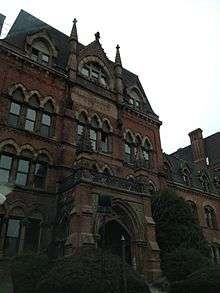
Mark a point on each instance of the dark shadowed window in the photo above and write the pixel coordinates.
(105, 133)
(22, 172)
(32, 235)
(46, 120)
(5, 168)
(15, 108)
(40, 174)
(12, 236)
(210, 217)
(93, 133)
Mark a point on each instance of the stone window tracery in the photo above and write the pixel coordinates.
(94, 72)
(105, 137)
(40, 52)
(93, 133)
(129, 148)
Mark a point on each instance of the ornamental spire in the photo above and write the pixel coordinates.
(117, 56)
(97, 36)
(73, 35)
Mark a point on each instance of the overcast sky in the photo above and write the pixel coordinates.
(173, 45)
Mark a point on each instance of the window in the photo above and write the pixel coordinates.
(95, 72)
(205, 183)
(146, 152)
(12, 236)
(82, 121)
(152, 188)
(14, 114)
(40, 174)
(40, 52)
(210, 217)
(46, 120)
(93, 133)
(134, 99)
(193, 208)
(186, 177)
(105, 137)
(5, 168)
(30, 119)
(22, 172)
(129, 148)
(215, 254)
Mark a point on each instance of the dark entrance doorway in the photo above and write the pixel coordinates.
(111, 239)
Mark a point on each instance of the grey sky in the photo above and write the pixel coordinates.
(173, 45)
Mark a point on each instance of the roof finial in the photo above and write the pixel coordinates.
(73, 35)
(117, 56)
(97, 36)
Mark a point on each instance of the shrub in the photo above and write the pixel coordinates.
(183, 262)
(203, 281)
(91, 271)
(27, 270)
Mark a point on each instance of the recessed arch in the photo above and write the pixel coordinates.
(51, 100)
(46, 153)
(21, 87)
(29, 148)
(108, 124)
(9, 142)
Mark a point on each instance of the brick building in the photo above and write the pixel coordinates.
(76, 131)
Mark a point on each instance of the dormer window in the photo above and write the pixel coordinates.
(135, 99)
(94, 72)
(40, 52)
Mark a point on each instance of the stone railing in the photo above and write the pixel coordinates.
(90, 176)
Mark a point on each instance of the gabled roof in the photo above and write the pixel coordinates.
(26, 24)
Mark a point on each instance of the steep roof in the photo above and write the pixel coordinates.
(26, 23)
(212, 150)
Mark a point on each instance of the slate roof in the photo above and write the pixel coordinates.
(184, 155)
(26, 23)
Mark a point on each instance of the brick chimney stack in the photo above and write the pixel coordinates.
(198, 150)
(2, 19)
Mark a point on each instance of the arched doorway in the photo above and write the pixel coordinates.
(111, 239)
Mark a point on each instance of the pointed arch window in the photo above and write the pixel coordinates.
(31, 113)
(105, 137)
(5, 167)
(205, 182)
(40, 172)
(93, 133)
(82, 121)
(94, 72)
(40, 52)
(193, 208)
(210, 217)
(146, 152)
(186, 177)
(15, 108)
(46, 120)
(129, 148)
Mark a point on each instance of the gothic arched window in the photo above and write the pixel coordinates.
(40, 172)
(46, 120)
(210, 217)
(146, 152)
(105, 137)
(40, 52)
(94, 72)
(129, 148)
(93, 133)
(31, 113)
(193, 208)
(15, 108)
(186, 177)
(82, 121)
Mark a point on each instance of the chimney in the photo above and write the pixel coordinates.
(2, 19)
(198, 150)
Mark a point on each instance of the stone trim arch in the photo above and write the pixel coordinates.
(109, 124)
(107, 167)
(49, 99)
(29, 148)
(44, 37)
(98, 119)
(17, 205)
(83, 112)
(95, 59)
(149, 141)
(46, 153)
(35, 92)
(9, 142)
(20, 86)
(128, 131)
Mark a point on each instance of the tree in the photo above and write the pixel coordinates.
(179, 236)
